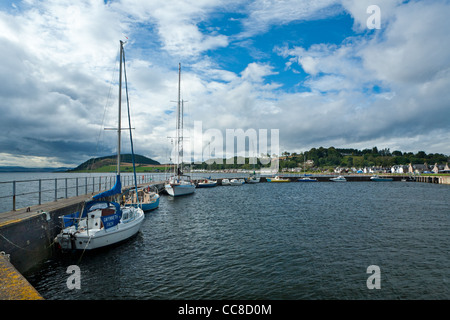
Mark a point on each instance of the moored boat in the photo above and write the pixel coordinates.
(237, 182)
(206, 183)
(378, 178)
(339, 179)
(307, 179)
(102, 222)
(179, 184)
(278, 179)
(252, 178)
(147, 199)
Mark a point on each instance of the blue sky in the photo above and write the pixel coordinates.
(311, 69)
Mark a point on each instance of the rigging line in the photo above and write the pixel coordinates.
(108, 99)
(129, 125)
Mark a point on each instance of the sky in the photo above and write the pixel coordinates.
(322, 72)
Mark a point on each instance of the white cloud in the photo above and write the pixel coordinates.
(358, 10)
(384, 86)
(176, 22)
(409, 61)
(264, 14)
(257, 72)
(415, 47)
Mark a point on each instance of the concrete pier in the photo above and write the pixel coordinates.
(26, 240)
(13, 286)
(434, 179)
(27, 234)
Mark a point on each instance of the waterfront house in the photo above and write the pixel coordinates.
(446, 169)
(418, 168)
(399, 169)
(441, 168)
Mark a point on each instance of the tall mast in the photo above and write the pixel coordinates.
(182, 133)
(179, 115)
(120, 106)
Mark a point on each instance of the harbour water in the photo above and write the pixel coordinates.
(284, 241)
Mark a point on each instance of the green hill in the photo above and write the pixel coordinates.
(99, 164)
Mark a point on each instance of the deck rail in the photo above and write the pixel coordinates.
(25, 193)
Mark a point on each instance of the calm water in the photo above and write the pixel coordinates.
(274, 241)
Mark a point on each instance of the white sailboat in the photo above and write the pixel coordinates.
(306, 178)
(252, 178)
(179, 184)
(237, 182)
(206, 183)
(339, 179)
(102, 222)
(378, 178)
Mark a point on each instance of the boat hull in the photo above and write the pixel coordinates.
(338, 179)
(176, 190)
(206, 184)
(100, 238)
(150, 206)
(252, 180)
(236, 183)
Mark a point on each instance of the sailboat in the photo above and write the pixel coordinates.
(207, 182)
(278, 179)
(102, 221)
(378, 178)
(146, 199)
(306, 177)
(253, 178)
(339, 179)
(179, 184)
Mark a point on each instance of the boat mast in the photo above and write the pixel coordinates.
(178, 138)
(120, 106)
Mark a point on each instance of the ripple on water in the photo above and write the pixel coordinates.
(266, 241)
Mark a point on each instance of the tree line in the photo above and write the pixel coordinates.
(334, 157)
(347, 157)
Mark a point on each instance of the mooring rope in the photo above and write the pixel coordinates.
(14, 243)
(82, 253)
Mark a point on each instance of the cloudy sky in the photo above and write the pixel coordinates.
(312, 69)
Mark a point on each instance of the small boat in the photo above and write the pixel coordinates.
(278, 179)
(102, 221)
(339, 179)
(226, 182)
(307, 179)
(252, 178)
(147, 200)
(237, 182)
(206, 183)
(378, 178)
